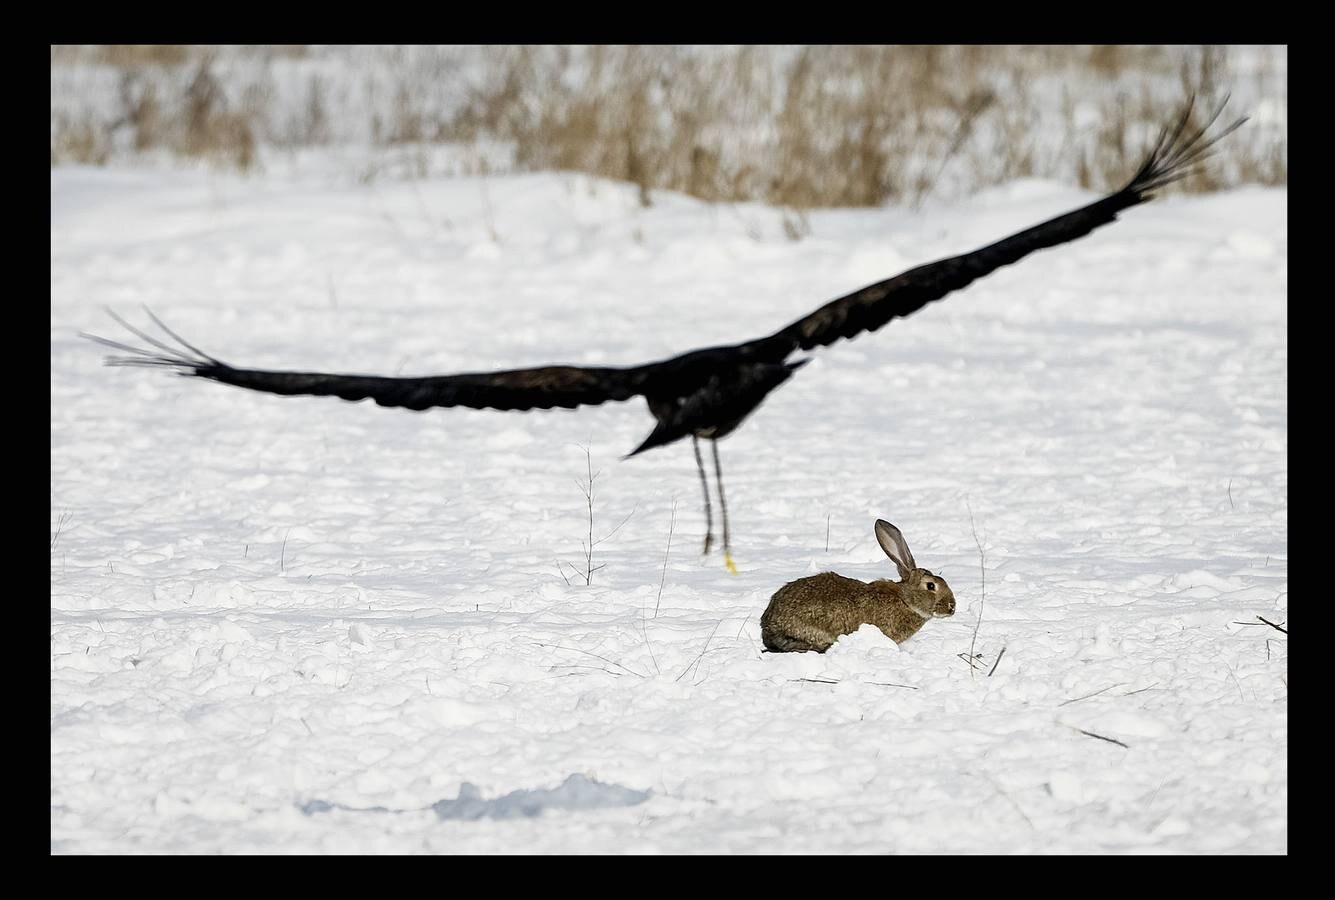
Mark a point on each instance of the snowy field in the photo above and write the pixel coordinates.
(296, 624)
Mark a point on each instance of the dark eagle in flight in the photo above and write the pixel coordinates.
(704, 393)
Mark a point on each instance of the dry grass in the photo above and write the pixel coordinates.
(795, 127)
(187, 112)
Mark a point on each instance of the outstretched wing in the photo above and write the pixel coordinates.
(1176, 151)
(538, 388)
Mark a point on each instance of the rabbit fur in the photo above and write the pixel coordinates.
(811, 613)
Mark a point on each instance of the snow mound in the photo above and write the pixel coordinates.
(867, 641)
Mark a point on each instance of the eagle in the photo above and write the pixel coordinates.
(707, 393)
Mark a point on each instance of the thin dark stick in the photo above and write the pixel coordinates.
(1141, 690)
(982, 573)
(696, 661)
(60, 526)
(1273, 625)
(743, 625)
(595, 656)
(1008, 797)
(623, 521)
(1237, 684)
(644, 631)
(672, 523)
(588, 553)
(997, 663)
(1100, 737)
(1095, 694)
(577, 666)
(827, 532)
(911, 687)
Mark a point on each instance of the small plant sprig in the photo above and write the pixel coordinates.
(587, 488)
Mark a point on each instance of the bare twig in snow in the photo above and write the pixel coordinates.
(997, 663)
(595, 656)
(61, 522)
(1011, 799)
(1273, 625)
(974, 105)
(982, 572)
(743, 625)
(577, 666)
(696, 661)
(1099, 737)
(910, 687)
(1142, 690)
(672, 524)
(1155, 795)
(644, 630)
(588, 495)
(1237, 684)
(1095, 694)
(587, 488)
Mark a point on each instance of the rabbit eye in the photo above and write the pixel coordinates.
(931, 585)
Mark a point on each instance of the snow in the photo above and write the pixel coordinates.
(297, 624)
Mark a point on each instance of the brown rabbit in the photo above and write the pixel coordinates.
(811, 613)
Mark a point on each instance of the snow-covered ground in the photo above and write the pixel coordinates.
(286, 625)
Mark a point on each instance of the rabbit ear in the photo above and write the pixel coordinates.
(895, 547)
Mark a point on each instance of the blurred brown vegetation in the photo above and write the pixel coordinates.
(796, 127)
